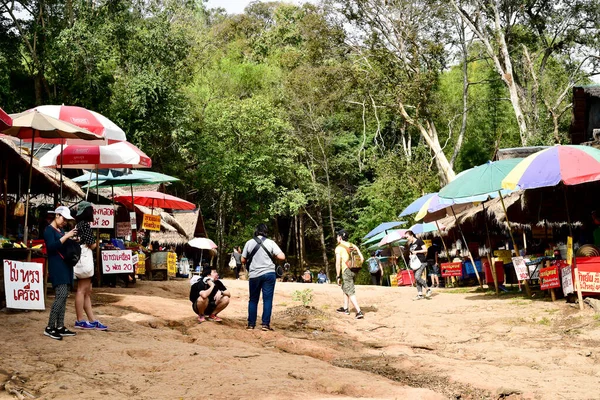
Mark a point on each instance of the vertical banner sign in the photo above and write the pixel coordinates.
(520, 268)
(117, 262)
(569, 250)
(567, 280)
(140, 268)
(133, 220)
(123, 229)
(24, 285)
(151, 222)
(171, 263)
(104, 217)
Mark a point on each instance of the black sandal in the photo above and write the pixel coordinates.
(250, 327)
(266, 328)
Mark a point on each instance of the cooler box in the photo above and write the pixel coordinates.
(469, 272)
(489, 278)
(406, 277)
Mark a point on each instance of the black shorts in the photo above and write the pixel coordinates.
(209, 308)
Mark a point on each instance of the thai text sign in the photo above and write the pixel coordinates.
(567, 280)
(549, 278)
(104, 217)
(589, 280)
(133, 220)
(123, 229)
(451, 269)
(570, 250)
(520, 268)
(117, 262)
(24, 285)
(140, 267)
(151, 222)
(171, 263)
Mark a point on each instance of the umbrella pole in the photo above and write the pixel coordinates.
(526, 281)
(133, 231)
(97, 189)
(98, 269)
(87, 190)
(62, 141)
(492, 265)
(445, 248)
(469, 251)
(26, 229)
(574, 259)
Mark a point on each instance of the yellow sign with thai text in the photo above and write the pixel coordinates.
(569, 250)
(140, 267)
(151, 222)
(171, 264)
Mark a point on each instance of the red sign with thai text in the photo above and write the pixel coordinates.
(451, 269)
(549, 278)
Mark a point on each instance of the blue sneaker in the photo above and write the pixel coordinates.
(99, 325)
(84, 325)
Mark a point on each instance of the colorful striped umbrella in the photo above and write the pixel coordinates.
(392, 237)
(569, 164)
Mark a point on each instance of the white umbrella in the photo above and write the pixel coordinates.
(202, 243)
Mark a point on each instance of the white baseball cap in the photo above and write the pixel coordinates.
(64, 211)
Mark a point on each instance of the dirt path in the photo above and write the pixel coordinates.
(456, 345)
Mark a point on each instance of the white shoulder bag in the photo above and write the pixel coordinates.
(85, 266)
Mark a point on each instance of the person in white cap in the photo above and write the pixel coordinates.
(60, 274)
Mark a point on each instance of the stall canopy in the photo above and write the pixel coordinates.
(155, 199)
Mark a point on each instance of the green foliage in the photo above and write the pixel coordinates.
(305, 296)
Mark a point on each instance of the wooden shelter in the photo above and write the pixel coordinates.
(585, 125)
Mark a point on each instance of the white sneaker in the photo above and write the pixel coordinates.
(428, 293)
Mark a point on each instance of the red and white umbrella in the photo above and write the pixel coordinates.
(116, 155)
(84, 118)
(5, 120)
(155, 199)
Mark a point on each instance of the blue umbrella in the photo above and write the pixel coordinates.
(383, 227)
(416, 205)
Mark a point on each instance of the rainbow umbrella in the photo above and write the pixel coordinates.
(566, 164)
(569, 164)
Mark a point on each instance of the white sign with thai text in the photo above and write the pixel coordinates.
(104, 217)
(520, 268)
(567, 280)
(117, 262)
(24, 285)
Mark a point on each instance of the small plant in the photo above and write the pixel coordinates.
(544, 321)
(305, 296)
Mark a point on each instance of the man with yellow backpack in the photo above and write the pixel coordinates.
(348, 262)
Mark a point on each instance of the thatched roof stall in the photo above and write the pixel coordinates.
(518, 152)
(45, 181)
(185, 224)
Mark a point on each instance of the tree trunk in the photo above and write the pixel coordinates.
(289, 238)
(323, 244)
(302, 252)
(297, 233)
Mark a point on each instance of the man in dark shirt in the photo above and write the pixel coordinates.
(209, 296)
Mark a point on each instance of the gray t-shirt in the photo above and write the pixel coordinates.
(261, 262)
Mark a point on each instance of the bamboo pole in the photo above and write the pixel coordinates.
(26, 228)
(469, 251)
(574, 259)
(526, 281)
(492, 265)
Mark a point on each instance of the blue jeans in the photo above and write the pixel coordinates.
(266, 284)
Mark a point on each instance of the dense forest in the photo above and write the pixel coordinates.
(310, 118)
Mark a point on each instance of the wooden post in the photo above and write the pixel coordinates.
(552, 294)
(492, 265)
(526, 281)
(469, 251)
(5, 195)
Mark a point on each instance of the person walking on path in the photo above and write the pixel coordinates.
(417, 248)
(237, 256)
(433, 265)
(258, 256)
(61, 275)
(345, 276)
(375, 269)
(83, 299)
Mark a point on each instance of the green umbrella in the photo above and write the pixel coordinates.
(484, 179)
(134, 178)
